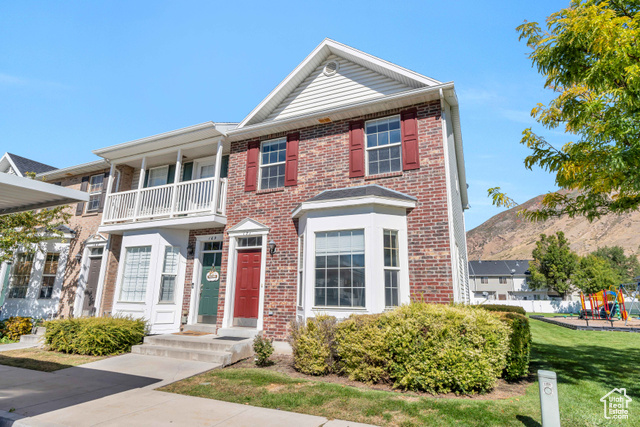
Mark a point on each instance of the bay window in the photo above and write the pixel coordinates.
(20, 276)
(340, 269)
(169, 273)
(49, 275)
(391, 268)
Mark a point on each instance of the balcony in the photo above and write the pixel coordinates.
(166, 201)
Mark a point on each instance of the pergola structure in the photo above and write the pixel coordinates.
(18, 194)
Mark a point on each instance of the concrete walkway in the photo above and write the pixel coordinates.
(121, 391)
(16, 346)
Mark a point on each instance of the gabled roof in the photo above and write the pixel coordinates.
(22, 165)
(404, 79)
(499, 267)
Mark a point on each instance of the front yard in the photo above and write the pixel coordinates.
(588, 364)
(43, 360)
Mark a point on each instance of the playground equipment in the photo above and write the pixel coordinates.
(606, 305)
(631, 294)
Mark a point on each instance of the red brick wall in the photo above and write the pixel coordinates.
(323, 164)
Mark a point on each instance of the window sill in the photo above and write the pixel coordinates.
(270, 190)
(383, 175)
(332, 308)
(91, 213)
(131, 302)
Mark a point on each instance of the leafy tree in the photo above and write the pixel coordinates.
(626, 267)
(29, 229)
(594, 274)
(590, 56)
(553, 265)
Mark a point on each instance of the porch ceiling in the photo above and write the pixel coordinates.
(18, 194)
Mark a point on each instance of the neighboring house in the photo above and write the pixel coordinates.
(342, 192)
(504, 280)
(20, 166)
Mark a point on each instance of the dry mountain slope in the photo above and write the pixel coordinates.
(507, 236)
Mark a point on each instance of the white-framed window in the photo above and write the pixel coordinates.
(502, 280)
(169, 274)
(384, 145)
(340, 269)
(250, 242)
(158, 176)
(20, 275)
(301, 270)
(391, 267)
(484, 280)
(273, 154)
(96, 183)
(49, 275)
(135, 273)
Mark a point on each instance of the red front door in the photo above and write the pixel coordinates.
(247, 284)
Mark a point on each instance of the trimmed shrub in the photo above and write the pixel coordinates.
(98, 336)
(440, 349)
(14, 327)
(362, 349)
(313, 345)
(263, 348)
(503, 308)
(519, 346)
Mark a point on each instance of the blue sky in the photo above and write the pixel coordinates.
(75, 76)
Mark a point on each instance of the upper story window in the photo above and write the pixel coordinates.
(49, 275)
(20, 276)
(96, 183)
(158, 176)
(484, 280)
(384, 145)
(503, 280)
(272, 163)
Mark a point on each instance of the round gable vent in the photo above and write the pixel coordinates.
(331, 68)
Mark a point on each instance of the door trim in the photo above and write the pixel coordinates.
(83, 274)
(197, 272)
(253, 229)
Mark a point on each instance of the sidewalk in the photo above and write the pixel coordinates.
(121, 391)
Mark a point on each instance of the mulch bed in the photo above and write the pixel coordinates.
(284, 364)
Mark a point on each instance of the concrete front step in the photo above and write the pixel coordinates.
(238, 332)
(204, 348)
(222, 357)
(32, 339)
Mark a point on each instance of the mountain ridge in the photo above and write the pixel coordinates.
(507, 236)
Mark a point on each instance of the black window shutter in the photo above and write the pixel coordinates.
(224, 173)
(187, 171)
(171, 174)
(83, 187)
(103, 196)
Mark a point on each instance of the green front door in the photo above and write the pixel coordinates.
(209, 288)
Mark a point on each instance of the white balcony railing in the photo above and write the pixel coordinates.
(166, 201)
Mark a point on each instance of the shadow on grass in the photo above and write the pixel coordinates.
(601, 364)
(33, 364)
(528, 421)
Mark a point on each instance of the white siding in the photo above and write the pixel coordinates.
(350, 84)
(460, 243)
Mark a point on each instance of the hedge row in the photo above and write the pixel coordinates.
(98, 336)
(429, 347)
(503, 308)
(14, 327)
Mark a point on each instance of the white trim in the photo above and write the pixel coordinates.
(83, 275)
(13, 166)
(195, 284)
(245, 228)
(352, 201)
(206, 220)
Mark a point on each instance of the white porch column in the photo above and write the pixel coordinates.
(107, 196)
(176, 179)
(143, 168)
(216, 183)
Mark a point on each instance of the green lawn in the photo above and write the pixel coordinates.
(588, 364)
(44, 360)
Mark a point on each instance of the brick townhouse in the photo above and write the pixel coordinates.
(342, 192)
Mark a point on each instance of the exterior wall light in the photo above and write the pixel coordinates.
(78, 256)
(190, 250)
(272, 247)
